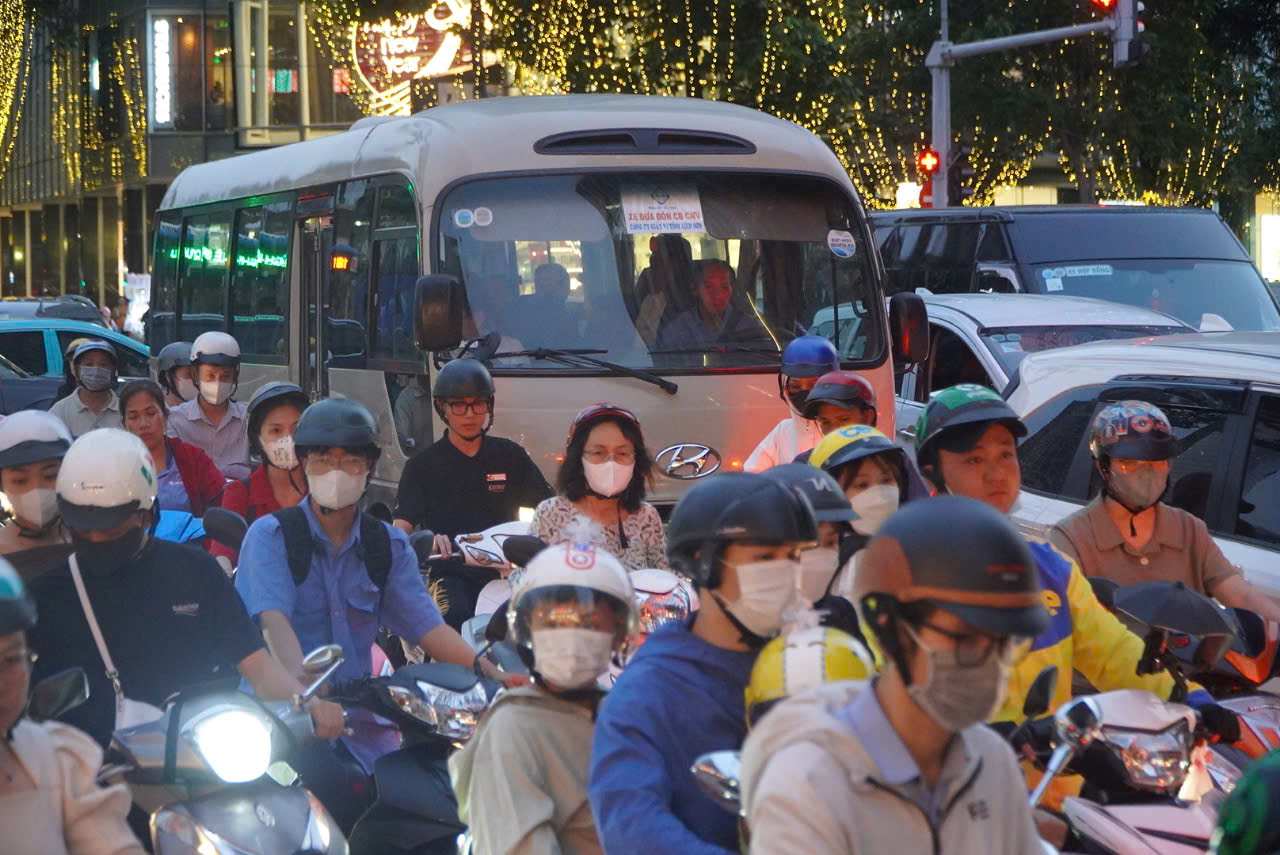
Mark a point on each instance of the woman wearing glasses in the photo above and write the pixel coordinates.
(49, 798)
(603, 479)
(465, 482)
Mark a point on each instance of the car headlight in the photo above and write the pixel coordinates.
(235, 743)
(1153, 761)
(457, 712)
(410, 704)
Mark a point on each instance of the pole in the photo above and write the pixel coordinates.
(941, 130)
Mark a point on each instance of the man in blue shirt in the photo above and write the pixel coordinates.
(323, 573)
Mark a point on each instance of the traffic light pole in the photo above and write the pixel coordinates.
(943, 55)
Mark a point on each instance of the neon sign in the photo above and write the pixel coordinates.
(391, 53)
(161, 75)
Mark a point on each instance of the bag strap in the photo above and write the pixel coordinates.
(112, 674)
(376, 541)
(297, 541)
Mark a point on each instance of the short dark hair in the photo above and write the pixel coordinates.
(572, 479)
(142, 387)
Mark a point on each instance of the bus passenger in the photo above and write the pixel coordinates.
(804, 360)
(94, 403)
(714, 320)
(213, 421)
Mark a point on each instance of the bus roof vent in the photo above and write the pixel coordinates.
(643, 141)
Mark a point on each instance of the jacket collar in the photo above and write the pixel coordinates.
(1107, 535)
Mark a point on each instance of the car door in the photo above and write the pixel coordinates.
(1249, 528)
(956, 355)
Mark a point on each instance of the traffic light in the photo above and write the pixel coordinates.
(960, 174)
(1127, 46)
(928, 162)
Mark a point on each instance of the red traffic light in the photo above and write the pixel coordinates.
(928, 161)
(1105, 6)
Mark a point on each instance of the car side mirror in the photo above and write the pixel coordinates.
(1040, 695)
(225, 526)
(438, 305)
(908, 329)
(59, 694)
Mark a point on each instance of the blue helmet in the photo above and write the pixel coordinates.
(809, 356)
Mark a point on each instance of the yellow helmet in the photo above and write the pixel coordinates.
(802, 660)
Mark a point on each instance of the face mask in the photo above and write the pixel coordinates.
(571, 658)
(336, 489)
(609, 478)
(817, 567)
(766, 588)
(185, 388)
(38, 507)
(956, 697)
(1138, 491)
(797, 399)
(95, 378)
(103, 559)
(214, 392)
(873, 506)
(279, 452)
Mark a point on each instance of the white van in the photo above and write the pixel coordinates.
(311, 255)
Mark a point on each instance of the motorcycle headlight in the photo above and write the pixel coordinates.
(235, 743)
(456, 712)
(655, 610)
(1153, 761)
(410, 704)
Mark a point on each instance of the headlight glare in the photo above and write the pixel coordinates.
(457, 712)
(1153, 761)
(235, 744)
(410, 704)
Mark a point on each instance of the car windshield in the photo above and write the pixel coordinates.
(1010, 345)
(661, 271)
(1208, 295)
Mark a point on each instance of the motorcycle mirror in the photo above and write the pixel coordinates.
(519, 549)
(1040, 695)
(1078, 722)
(717, 774)
(225, 526)
(321, 658)
(59, 694)
(423, 543)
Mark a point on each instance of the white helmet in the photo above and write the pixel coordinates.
(29, 436)
(576, 573)
(215, 348)
(107, 475)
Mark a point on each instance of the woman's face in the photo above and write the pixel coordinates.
(281, 421)
(607, 442)
(15, 678)
(144, 418)
(16, 480)
(871, 472)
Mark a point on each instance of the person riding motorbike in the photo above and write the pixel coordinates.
(188, 479)
(571, 612)
(145, 617)
(93, 403)
(804, 360)
(324, 572)
(32, 445)
(213, 420)
(800, 661)
(950, 594)
(681, 695)
(840, 399)
(1127, 534)
(173, 373)
(50, 800)
(466, 482)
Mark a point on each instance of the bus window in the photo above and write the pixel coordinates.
(202, 279)
(348, 302)
(260, 282)
(396, 207)
(395, 270)
(164, 282)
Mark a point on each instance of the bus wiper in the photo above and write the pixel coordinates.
(585, 355)
(720, 348)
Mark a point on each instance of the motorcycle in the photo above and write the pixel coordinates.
(212, 773)
(437, 707)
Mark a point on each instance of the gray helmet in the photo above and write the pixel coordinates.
(823, 491)
(337, 423)
(175, 354)
(463, 378)
(264, 401)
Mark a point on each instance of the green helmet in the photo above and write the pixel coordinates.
(1248, 823)
(956, 406)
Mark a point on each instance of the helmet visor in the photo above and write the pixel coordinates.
(94, 518)
(570, 607)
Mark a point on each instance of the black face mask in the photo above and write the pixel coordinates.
(105, 558)
(798, 400)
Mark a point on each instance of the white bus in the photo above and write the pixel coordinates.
(310, 255)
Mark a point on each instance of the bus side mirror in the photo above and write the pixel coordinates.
(909, 329)
(438, 306)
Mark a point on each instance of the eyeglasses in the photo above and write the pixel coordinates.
(601, 455)
(460, 408)
(351, 465)
(975, 648)
(1129, 467)
(25, 659)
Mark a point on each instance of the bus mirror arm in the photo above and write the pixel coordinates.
(909, 329)
(439, 303)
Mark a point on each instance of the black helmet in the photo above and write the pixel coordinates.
(957, 554)
(1132, 430)
(956, 406)
(823, 492)
(264, 401)
(694, 516)
(337, 423)
(463, 378)
(17, 610)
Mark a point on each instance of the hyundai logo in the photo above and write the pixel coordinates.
(688, 461)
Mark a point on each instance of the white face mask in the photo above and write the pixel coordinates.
(215, 392)
(279, 452)
(37, 507)
(609, 478)
(766, 590)
(336, 489)
(185, 388)
(817, 568)
(571, 658)
(873, 506)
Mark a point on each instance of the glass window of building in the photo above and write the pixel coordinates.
(219, 79)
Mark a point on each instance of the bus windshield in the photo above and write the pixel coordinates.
(661, 270)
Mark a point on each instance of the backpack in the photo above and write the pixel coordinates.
(375, 546)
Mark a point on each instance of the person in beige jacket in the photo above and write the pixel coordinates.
(947, 590)
(521, 781)
(50, 801)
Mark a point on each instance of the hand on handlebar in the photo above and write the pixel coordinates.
(329, 718)
(1221, 723)
(442, 545)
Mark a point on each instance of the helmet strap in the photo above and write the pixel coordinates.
(749, 638)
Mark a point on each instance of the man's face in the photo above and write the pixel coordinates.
(96, 358)
(715, 291)
(988, 472)
(206, 373)
(831, 417)
(466, 417)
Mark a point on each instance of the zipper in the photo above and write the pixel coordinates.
(946, 811)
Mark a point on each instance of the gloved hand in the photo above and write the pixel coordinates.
(1220, 722)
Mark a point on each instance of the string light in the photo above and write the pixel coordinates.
(15, 59)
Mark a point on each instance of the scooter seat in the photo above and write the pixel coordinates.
(446, 675)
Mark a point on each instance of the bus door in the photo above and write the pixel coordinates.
(315, 244)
